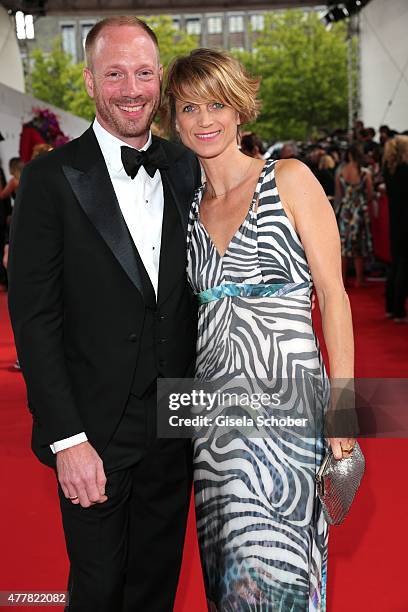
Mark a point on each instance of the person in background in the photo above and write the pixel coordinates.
(395, 173)
(357, 130)
(353, 193)
(369, 143)
(252, 146)
(335, 154)
(325, 175)
(313, 155)
(288, 151)
(15, 169)
(372, 160)
(385, 133)
(41, 149)
(10, 191)
(5, 212)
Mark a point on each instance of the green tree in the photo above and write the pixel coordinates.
(303, 70)
(172, 42)
(56, 79)
(76, 98)
(48, 74)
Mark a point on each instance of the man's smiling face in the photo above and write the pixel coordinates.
(124, 79)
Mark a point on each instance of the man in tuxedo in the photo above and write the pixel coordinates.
(101, 308)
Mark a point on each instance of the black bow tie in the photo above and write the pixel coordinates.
(151, 160)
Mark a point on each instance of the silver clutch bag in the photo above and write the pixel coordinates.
(337, 483)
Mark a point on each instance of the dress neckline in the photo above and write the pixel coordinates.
(250, 210)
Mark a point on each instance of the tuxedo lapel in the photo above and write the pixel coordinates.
(173, 178)
(183, 211)
(173, 244)
(179, 181)
(91, 184)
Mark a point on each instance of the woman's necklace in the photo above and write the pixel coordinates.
(219, 195)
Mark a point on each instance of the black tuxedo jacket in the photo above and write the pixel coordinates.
(77, 293)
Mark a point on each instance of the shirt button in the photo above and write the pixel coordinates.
(162, 340)
(133, 338)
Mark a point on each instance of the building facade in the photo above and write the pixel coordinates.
(228, 30)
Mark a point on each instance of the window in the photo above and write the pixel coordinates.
(215, 25)
(193, 26)
(68, 40)
(24, 26)
(236, 23)
(176, 23)
(257, 22)
(85, 29)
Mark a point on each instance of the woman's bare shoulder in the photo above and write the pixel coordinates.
(291, 165)
(295, 177)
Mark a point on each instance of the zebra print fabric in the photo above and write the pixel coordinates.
(262, 533)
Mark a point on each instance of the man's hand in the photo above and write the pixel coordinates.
(81, 475)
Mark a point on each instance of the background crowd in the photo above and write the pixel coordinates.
(358, 170)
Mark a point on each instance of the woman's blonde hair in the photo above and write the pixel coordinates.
(396, 152)
(209, 75)
(326, 162)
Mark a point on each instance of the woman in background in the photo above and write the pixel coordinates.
(5, 212)
(258, 232)
(10, 191)
(354, 192)
(15, 169)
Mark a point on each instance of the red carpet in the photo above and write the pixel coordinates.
(367, 555)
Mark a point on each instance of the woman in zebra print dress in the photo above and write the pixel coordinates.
(258, 233)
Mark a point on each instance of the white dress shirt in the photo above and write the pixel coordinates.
(141, 202)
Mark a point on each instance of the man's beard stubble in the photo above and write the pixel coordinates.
(126, 128)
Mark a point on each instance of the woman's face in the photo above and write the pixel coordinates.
(207, 127)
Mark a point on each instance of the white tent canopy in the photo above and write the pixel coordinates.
(101, 7)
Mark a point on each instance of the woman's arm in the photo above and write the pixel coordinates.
(313, 218)
(5, 256)
(9, 188)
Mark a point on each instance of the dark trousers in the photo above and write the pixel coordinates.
(126, 553)
(397, 287)
(3, 271)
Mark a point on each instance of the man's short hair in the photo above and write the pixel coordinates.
(122, 20)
